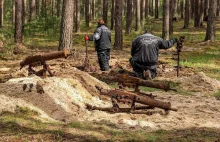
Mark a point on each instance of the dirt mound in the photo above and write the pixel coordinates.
(63, 98)
(200, 83)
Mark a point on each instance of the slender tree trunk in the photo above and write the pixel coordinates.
(175, 7)
(146, 8)
(93, 9)
(24, 12)
(165, 32)
(142, 10)
(197, 12)
(32, 10)
(1, 12)
(187, 14)
(87, 15)
(18, 21)
(113, 15)
(118, 25)
(129, 16)
(201, 13)
(206, 8)
(37, 7)
(192, 8)
(77, 19)
(137, 25)
(171, 17)
(182, 8)
(210, 31)
(66, 27)
(105, 12)
(58, 8)
(152, 8)
(218, 8)
(156, 9)
(13, 13)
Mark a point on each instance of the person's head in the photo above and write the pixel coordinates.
(101, 22)
(147, 31)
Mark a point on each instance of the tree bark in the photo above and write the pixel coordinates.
(210, 31)
(87, 14)
(93, 10)
(32, 10)
(77, 19)
(105, 12)
(1, 12)
(137, 23)
(187, 14)
(182, 8)
(113, 15)
(156, 9)
(165, 32)
(206, 8)
(66, 28)
(118, 25)
(218, 8)
(197, 12)
(13, 13)
(18, 21)
(146, 8)
(129, 16)
(24, 12)
(142, 10)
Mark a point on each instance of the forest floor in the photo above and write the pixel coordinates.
(60, 114)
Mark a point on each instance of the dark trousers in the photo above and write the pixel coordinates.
(104, 57)
(139, 69)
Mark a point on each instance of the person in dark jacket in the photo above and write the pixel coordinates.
(144, 52)
(102, 39)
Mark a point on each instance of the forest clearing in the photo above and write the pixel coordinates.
(55, 87)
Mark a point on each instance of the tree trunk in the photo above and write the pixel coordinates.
(118, 25)
(182, 8)
(218, 8)
(113, 14)
(156, 9)
(146, 8)
(13, 13)
(24, 12)
(129, 16)
(187, 15)
(1, 12)
(192, 9)
(77, 19)
(66, 27)
(87, 15)
(18, 21)
(142, 8)
(171, 17)
(165, 32)
(32, 10)
(105, 12)
(152, 8)
(210, 31)
(37, 7)
(201, 13)
(58, 8)
(206, 8)
(93, 10)
(197, 12)
(137, 25)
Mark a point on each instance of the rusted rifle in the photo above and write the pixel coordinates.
(179, 49)
(127, 97)
(125, 80)
(38, 60)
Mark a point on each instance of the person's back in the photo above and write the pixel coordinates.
(144, 52)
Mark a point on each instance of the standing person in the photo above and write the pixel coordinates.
(102, 39)
(144, 52)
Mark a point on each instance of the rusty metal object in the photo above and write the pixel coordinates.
(38, 60)
(133, 82)
(120, 95)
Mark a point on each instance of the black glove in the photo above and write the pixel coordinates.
(175, 40)
(91, 38)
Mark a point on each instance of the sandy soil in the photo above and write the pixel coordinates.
(66, 95)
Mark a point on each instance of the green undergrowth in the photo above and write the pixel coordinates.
(17, 127)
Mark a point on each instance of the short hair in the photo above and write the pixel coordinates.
(101, 22)
(147, 31)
